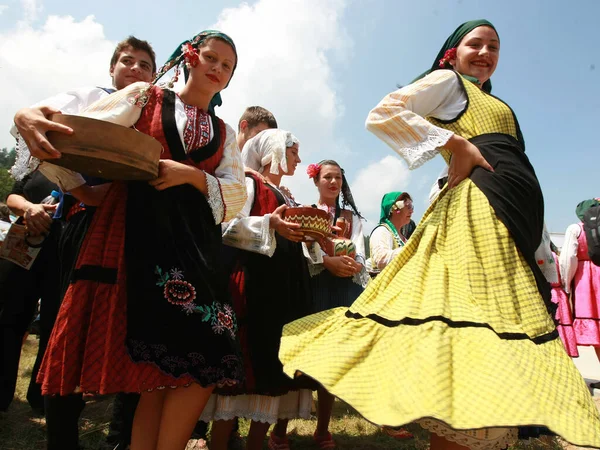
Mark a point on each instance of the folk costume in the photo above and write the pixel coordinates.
(564, 313)
(386, 241)
(328, 290)
(581, 278)
(270, 287)
(148, 306)
(461, 321)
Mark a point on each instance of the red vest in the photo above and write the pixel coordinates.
(151, 123)
(265, 201)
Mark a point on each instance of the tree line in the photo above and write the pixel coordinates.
(7, 159)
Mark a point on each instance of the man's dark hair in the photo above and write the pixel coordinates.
(255, 115)
(136, 44)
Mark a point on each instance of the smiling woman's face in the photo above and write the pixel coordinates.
(477, 54)
(215, 65)
(329, 182)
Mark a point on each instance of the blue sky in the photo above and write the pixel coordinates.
(320, 66)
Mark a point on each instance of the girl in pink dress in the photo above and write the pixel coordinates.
(582, 279)
(564, 315)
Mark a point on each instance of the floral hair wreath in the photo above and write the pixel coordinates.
(313, 170)
(450, 54)
(401, 204)
(192, 58)
(190, 54)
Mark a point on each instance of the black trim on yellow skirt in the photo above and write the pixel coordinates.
(410, 321)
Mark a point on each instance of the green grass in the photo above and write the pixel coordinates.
(22, 429)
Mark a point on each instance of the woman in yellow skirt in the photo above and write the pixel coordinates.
(457, 331)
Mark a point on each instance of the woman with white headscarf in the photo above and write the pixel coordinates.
(270, 287)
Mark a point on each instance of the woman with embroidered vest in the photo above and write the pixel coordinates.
(387, 239)
(270, 285)
(461, 322)
(148, 310)
(581, 278)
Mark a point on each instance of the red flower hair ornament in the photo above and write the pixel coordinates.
(190, 54)
(450, 54)
(313, 170)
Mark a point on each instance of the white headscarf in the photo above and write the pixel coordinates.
(268, 146)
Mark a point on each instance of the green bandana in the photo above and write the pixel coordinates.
(452, 42)
(177, 57)
(584, 206)
(387, 202)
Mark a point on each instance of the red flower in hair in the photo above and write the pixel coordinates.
(450, 54)
(190, 54)
(313, 170)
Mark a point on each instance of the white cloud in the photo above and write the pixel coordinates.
(285, 51)
(3, 8)
(36, 63)
(386, 175)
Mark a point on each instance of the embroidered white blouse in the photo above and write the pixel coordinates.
(382, 248)
(399, 119)
(252, 233)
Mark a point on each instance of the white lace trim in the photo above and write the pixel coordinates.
(268, 236)
(361, 278)
(424, 151)
(215, 199)
(479, 439)
(259, 408)
(315, 269)
(24, 162)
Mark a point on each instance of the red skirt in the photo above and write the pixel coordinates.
(87, 350)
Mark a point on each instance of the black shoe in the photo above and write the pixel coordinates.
(236, 442)
(34, 328)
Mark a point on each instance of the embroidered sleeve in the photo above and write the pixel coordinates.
(215, 200)
(568, 256)
(230, 173)
(24, 162)
(382, 248)
(361, 278)
(251, 233)
(314, 256)
(399, 119)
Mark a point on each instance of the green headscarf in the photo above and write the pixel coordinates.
(453, 41)
(387, 201)
(176, 58)
(584, 206)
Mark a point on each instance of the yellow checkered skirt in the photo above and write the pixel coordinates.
(453, 329)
